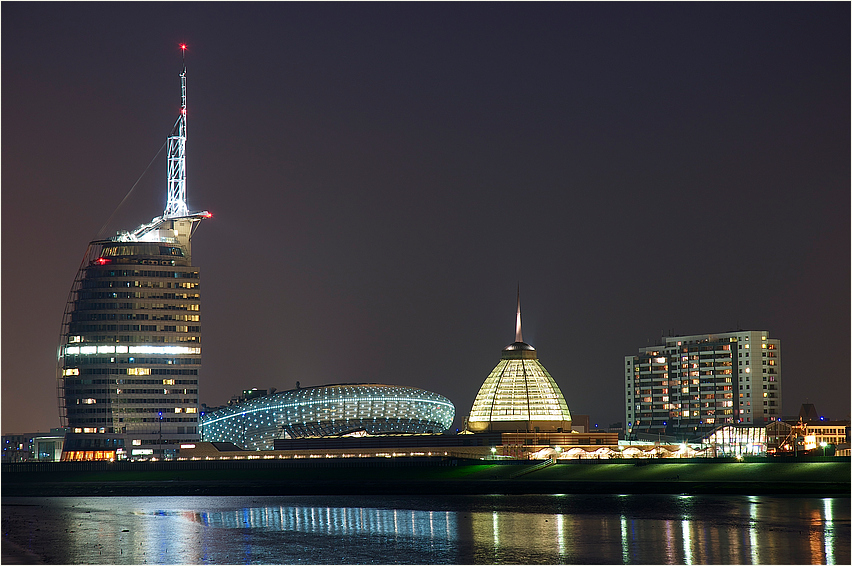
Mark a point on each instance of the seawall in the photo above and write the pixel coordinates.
(821, 476)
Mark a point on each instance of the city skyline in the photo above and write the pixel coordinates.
(382, 177)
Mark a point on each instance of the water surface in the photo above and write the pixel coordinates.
(476, 529)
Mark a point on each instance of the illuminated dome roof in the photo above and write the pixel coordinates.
(329, 410)
(519, 394)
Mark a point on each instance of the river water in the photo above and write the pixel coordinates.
(475, 529)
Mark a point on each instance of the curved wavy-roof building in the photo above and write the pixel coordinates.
(328, 410)
(519, 395)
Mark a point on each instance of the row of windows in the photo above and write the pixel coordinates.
(147, 371)
(141, 273)
(75, 391)
(152, 401)
(85, 303)
(86, 316)
(137, 249)
(72, 382)
(83, 360)
(77, 327)
(84, 306)
(154, 419)
(95, 284)
(111, 404)
(138, 339)
(156, 442)
(88, 296)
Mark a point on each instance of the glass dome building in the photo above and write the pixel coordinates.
(519, 395)
(328, 410)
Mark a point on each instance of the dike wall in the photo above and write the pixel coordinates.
(819, 476)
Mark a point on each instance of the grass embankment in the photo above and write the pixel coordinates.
(812, 478)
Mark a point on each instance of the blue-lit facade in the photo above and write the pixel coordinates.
(328, 410)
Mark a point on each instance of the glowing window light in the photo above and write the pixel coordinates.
(138, 371)
(72, 371)
(87, 350)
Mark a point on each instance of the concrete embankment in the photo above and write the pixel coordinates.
(824, 476)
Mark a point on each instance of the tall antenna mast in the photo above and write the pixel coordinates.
(176, 158)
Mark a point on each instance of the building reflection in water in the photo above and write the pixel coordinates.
(496, 529)
(752, 530)
(337, 521)
(828, 530)
(499, 536)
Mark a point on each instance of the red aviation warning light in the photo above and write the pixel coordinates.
(183, 46)
(102, 261)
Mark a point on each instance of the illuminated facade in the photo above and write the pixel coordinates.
(328, 410)
(736, 440)
(690, 385)
(130, 349)
(519, 394)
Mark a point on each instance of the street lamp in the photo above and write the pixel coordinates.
(823, 444)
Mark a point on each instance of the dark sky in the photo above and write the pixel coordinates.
(383, 176)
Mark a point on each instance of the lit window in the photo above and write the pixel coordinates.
(191, 410)
(178, 409)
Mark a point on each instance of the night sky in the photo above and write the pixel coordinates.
(383, 177)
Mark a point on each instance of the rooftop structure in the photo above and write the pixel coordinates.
(519, 395)
(130, 346)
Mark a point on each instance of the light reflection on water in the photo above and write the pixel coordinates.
(450, 530)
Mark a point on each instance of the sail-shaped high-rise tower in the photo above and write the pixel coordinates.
(130, 348)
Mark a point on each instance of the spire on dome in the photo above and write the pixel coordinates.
(518, 336)
(519, 349)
